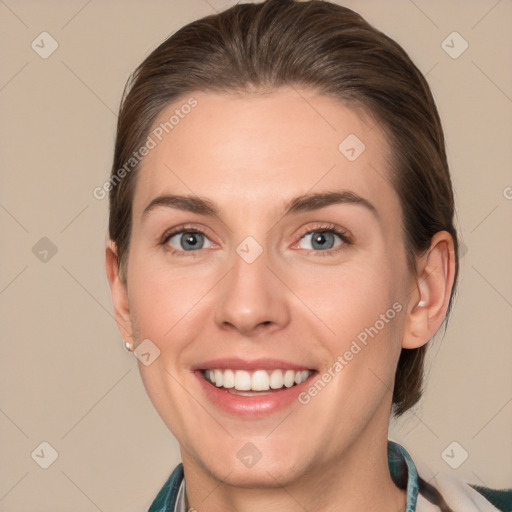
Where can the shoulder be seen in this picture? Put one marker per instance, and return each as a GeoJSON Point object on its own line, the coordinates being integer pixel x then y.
{"type": "Point", "coordinates": [424, 494]}
{"type": "Point", "coordinates": [462, 496]}
{"type": "Point", "coordinates": [166, 498]}
{"type": "Point", "coordinates": [500, 498]}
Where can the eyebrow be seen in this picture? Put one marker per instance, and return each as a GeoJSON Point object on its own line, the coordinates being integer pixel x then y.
{"type": "Point", "coordinates": [304, 203]}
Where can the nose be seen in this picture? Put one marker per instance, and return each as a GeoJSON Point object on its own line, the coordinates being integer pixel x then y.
{"type": "Point", "coordinates": [252, 299]}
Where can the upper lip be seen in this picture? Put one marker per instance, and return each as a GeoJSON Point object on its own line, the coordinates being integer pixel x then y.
{"type": "Point", "coordinates": [235, 363]}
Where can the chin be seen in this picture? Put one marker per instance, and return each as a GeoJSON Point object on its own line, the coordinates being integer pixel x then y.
{"type": "Point", "coordinates": [251, 461]}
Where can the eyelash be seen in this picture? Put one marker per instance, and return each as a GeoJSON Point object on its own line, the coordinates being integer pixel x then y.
{"type": "Point", "coordinates": [329, 228]}
{"type": "Point", "coordinates": [180, 229]}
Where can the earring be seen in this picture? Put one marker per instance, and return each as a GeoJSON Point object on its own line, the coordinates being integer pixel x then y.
{"type": "Point", "coordinates": [421, 303]}
{"type": "Point", "coordinates": [128, 346]}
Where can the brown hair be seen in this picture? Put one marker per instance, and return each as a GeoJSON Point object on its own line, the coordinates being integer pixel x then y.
{"type": "Point", "coordinates": [313, 44]}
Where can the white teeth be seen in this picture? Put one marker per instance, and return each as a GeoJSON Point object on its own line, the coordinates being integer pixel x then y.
{"type": "Point", "coordinates": [242, 380]}
{"type": "Point", "coordinates": [259, 380]}
{"type": "Point", "coordinates": [228, 379]}
{"type": "Point", "coordinates": [276, 379]}
{"type": "Point", "coordinates": [289, 378]}
{"type": "Point", "coordinates": [301, 376]}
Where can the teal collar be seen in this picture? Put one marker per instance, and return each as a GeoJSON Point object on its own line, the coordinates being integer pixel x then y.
{"type": "Point", "coordinates": [398, 457]}
{"type": "Point", "coordinates": [398, 461]}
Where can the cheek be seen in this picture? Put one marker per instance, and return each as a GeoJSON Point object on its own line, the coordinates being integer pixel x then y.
{"type": "Point", "coordinates": [347, 299]}
{"type": "Point", "coordinates": [363, 353]}
{"type": "Point", "coordinates": [165, 302]}
{"type": "Point", "coordinates": [359, 308]}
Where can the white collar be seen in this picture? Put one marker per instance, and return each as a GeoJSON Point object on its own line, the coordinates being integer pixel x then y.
{"type": "Point", "coordinates": [180, 499]}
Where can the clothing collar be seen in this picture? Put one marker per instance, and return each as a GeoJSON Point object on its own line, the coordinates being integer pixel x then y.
{"type": "Point", "coordinates": [397, 457]}
{"type": "Point", "coordinates": [171, 497]}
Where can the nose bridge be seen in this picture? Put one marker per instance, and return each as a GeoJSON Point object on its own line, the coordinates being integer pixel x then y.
{"type": "Point", "coordinates": [251, 295]}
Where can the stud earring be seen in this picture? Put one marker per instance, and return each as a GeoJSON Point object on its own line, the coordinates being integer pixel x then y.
{"type": "Point", "coordinates": [128, 346]}
{"type": "Point", "coordinates": [421, 303]}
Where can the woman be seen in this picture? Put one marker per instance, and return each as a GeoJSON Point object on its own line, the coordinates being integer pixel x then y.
{"type": "Point", "coordinates": [282, 249]}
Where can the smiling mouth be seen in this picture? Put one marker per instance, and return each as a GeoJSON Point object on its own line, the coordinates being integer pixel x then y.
{"type": "Point", "coordinates": [255, 383]}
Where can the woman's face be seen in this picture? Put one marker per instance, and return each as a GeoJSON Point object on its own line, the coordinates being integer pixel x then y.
{"type": "Point", "coordinates": [267, 244]}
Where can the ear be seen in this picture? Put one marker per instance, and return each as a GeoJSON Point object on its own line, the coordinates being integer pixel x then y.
{"type": "Point", "coordinates": [433, 286]}
{"type": "Point", "coordinates": [119, 292]}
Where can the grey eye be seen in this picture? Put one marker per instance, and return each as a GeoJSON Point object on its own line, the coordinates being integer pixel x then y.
{"type": "Point", "coordinates": [319, 240]}
{"type": "Point", "coordinates": [188, 240]}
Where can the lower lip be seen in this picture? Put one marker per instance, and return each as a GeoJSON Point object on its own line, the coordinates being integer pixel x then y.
{"type": "Point", "coordinates": [252, 406]}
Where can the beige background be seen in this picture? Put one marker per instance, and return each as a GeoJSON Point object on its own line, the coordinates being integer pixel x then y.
{"type": "Point", "coordinates": [64, 376]}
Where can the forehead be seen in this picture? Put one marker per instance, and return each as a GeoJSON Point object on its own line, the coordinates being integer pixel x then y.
{"type": "Point", "coordinates": [258, 150]}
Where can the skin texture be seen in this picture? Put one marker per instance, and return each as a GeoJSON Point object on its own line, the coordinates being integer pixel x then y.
{"type": "Point", "coordinates": [250, 154]}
